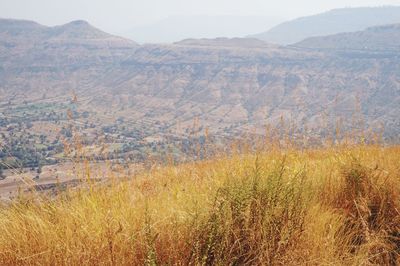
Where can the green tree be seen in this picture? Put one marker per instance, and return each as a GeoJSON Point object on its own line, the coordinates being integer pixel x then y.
{"type": "Point", "coordinates": [2, 176]}
{"type": "Point", "coordinates": [39, 169]}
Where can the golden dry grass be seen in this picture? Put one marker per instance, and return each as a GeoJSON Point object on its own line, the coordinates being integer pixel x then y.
{"type": "Point", "coordinates": [334, 206]}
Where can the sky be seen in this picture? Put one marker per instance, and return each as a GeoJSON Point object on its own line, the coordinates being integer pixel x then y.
{"type": "Point", "coordinates": [120, 15]}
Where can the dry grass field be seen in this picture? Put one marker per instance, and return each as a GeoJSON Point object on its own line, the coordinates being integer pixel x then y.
{"type": "Point", "coordinates": [331, 206]}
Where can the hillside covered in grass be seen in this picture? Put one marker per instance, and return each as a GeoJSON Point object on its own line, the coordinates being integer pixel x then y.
{"type": "Point", "coordinates": [334, 206]}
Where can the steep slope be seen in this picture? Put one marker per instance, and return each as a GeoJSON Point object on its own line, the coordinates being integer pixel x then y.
{"type": "Point", "coordinates": [231, 89]}
{"type": "Point", "coordinates": [17, 36]}
{"type": "Point", "coordinates": [332, 22]}
{"type": "Point", "coordinates": [380, 38]}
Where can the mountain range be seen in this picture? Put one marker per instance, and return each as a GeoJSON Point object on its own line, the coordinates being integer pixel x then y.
{"type": "Point", "coordinates": [229, 86]}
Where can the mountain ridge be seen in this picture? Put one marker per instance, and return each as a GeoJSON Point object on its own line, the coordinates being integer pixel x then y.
{"type": "Point", "coordinates": [31, 44]}
{"type": "Point", "coordinates": [377, 38]}
{"type": "Point", "coordinates": [16, 27]}
{"type": "Point", "coordinates": [330, 22]}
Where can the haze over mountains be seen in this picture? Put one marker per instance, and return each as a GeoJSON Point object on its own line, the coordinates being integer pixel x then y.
{"type": "Point", "coordinates": [177, 28]}
{"type": "Point", "coordinates": [332, 22]}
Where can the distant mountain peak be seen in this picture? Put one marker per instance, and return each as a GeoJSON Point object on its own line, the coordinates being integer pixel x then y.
{"type": "Point", "coordinates": [78, 29]}
{"type": "Point", "coordinates": [79, 23]}
{"type": "Point", "coordinates": [18, 37]}
{"type": "Point", "coordinates": [331, 22]}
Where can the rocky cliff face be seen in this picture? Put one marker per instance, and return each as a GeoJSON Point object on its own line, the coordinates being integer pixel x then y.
{"type": "Point", "coordinates": [230, 89]}
{"type": "Point", "coordinates": [229, 86]}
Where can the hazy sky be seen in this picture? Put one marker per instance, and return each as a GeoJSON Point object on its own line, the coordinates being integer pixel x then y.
{"type": "Point", "coordinates": [120, 15]}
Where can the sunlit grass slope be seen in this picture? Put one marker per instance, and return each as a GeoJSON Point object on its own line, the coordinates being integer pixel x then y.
{"type": "Point", "coordinates": [335, 206]}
